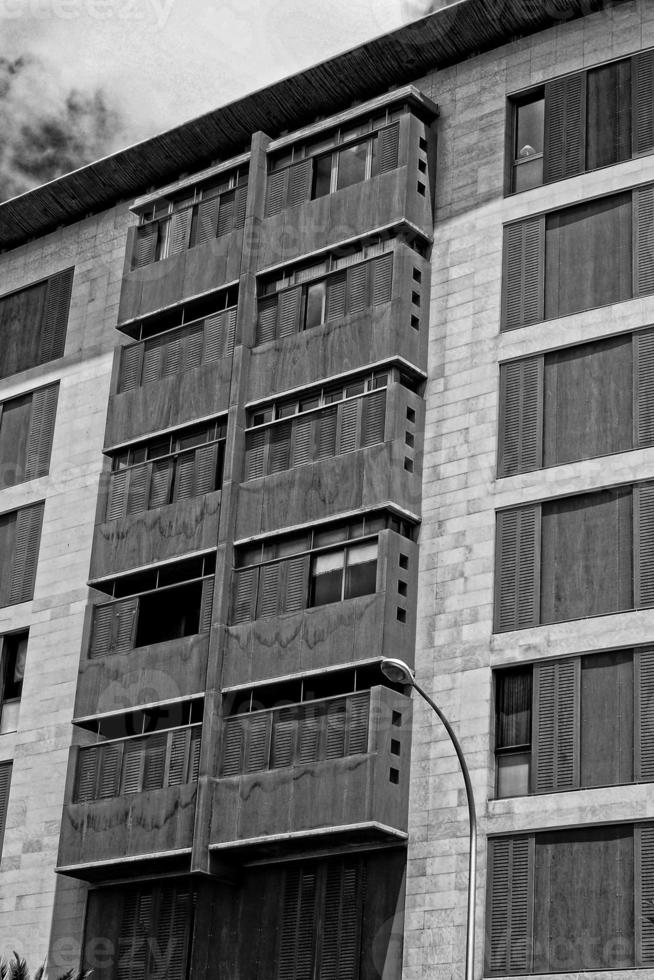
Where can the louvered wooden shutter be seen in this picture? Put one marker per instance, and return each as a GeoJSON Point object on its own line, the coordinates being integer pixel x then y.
{"type": "Point", "coordinates": [180, 228]}
{"type": "Point", "coordinates": [643, 206]}
{"type": "Point", "coordinates": [298, 933]}
{"type": "Point", "coordinates": [289, 311]}
{"type": "Point", "coordinates": [192, 346]}
{"type": "Point", "coordinates": [643, 349]}
{"type": "Point", "coordinates": [556, 725]}
{"type": "Point", "coordinates": [138, 490]}
{"type": "Point", "coordinates": [388, 144]}
{"type": "Point", "coordinates": [303, 440]}
{"type": "Point", "coordinates": [520, 446]}
{"type": "Point", "coordinates": [109, 770]}
{"type": "Point", "coordinates": [523, 294]}
{"type": "Point", "coordinates": [101, 632]}
{"type": "Point", "coordinates": [644, 545]}
{"type": "Point", "coordinates": [336, 729]}
{"type": "Point", "coordinates": [207, 220]}
{"type": "Point", "coordinates": [509, 934]}
{"type": "Point", "coordinates": [269, 589]}
{"type": "Point", "coordinates": [153, 359]}
{"type": "Point", "coordinates": [382, 279]}
{"type": "Point", "coordinates": [565, 127]}
{"type": "Point", "coordinates": [267, 319]}
{"type": "Point", "coordinates": [336, 289]}
{"type": "Point", "coordinates": [178, 756]}
{"type": "Point", "coordinates": [229, 332]}
{"type": "Point", "coordinates": [87, 773]}
{"type": "Point", "coordinates": [154, 764]}
{"type": "Point", "coordinates": [310, 719]}
{"type": "Point", "coordinates": [194, 754]}
{"type": "Point", "coordinates": [326, 424]}
{"type": "Point", "coordinates": [173, 929]}
{"type": "Point", "coordinates": [644, 715]}
{"type": "Point", "coordinates": [184, 476]}
{"type": "Point", "coordinates": [279, 451]}
{"type": "Point", "coordinates": [245, 595]}
{"type": "Point", "coordinates": [343, 906]}
{"type": "Point", "coordinates": [240, 206]}
{"type": "Point", "coordinates": [276, 190]}
{"type": "Point", "coordinates": [135, 928]}
{"type": "Point", "coordinates": [358, 293]}
{"type": "Point", "coordinates": [206, 466]}
{"type": "Point", "coordinates": [226, 213]}
{"type": "Point", "coordinates": [284, 735]}
{"type": "Point", "coordinates": [172, 354]}
{"type": "Point", "coordinates": [5, 780]}
{"type": "Point", "coordinates": [644, 894]}
{"type": "Point", "coordinates": [233, 749]}
{"type": "Point", "coordinates": [373, 418]}
{"type": "Point", "coordinates": [28, 537]}
{"type": "Point", "coordinates": [299, 182]}
{"type": "Point", "coordinates": [258, 741]}
{"type": "Point", "coordinates": [145, 248]}
{"type": "Point", "coordinates": [132, 774]}
{"type": "Point", "coordinates": [358, 720]}
{"type": "Point", "coordinates": [41, 431]}
{"type": "Point", "coordinates": [206, 605]}
{"type": "Point", "coordinates": [349, 423]}
{"type": "Point", "coordinates": [295, 584]}
{"type": "Point", "coordinates": [55, 316]}
{"type": "Point", "coordinates": [131, 362]}
{"type": "Point", "coordinates": [214, 337]}
{"type": "Point", "coordinates": [517, 571]}
{"type": "Point", "coordinates": [113, 627]}
{"type": "Point", "coordinates": [117, 497]}
{"type": "Point", "coordinates": [161, 477]}
{"type": "Point", "coordinates": [642, 96]}
{"type": "Point", "coordinates": [255, 446]}
{"type": "Point", "coordinates": [125, 613]}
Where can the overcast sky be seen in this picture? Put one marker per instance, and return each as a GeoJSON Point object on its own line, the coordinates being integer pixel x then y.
{"type": "Point", "coordinates": [159, 62]}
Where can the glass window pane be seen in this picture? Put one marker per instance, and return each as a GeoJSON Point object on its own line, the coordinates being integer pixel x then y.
{"type": "Point", "coordinates": [361, 553]}
{"type": "Point", "coordinates": [326, 578]}
{"type": "Point", "coordinates": [352, 165]}
{"type": "Point", "coordinates": [161, 447]}
{"type": "Point", "coordinates": [284, 411]}
{"type": "Point", "coordinates": [322, 176]}
{"type": "Point", "coordinates": [528, 173]}
{"type": "Point", "coordinates": [328, 563]}
{"type": "Point", "coordinates": [306, 404]}
{"type": "Point", "coordinates": [513, 709]}
{"type": "Point", "coordinates": [355, 389]}
{"type": "Point", "coordinates": [529, 128]}
{"type": "Point", "coordinates": [513, 774]}
{"type": "Point", "coordinates": [361, 579]}
{"type": "Point", "coordinates": [331, 536]}
{"type": "Point", "coordinates": [315, 300]}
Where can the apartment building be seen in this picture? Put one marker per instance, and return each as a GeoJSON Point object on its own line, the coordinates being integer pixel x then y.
{"type": "Point", "coordinates": [356, 367]}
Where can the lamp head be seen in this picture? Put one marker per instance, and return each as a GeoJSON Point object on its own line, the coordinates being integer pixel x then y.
{"type": "Point", "coordinates": [397, 671]}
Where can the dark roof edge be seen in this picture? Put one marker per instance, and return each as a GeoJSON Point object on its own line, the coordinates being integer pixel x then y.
{"type": "Point", "coordinates": [440, 39]}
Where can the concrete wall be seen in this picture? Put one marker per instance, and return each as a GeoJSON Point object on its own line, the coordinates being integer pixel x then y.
{"type": "Point", "coordinates": [456, 648]}
{"type": "Point", "coordinates": [39, 749]}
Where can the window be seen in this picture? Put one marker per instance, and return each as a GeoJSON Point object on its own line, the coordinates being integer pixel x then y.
{"type": "Point", "coordinates": [298, 734]}
{"type": "Point", "coordinates": [181, 340]}
{"type": "Point", "coordinates": [33, 323]}
{"type": "Point", "coordinates": [20, 535]}
{"type": "Point", "coordinates": [321, 912]}
{"type": "Point", "coordinates": [168, 755]}
{"type": "Point", "coordinates": [12, 671]}
{"type": "Point", "coordinates": [575, 723]}
{"type": "Point", "coordinates": [574, 557]}
{"type": "Point", "coordinates": [197, 215]}
{"type": "Point", "coordinates": [320, 423]}
{"type": "Point", "coordinates": [148, 928]}
{"type": "Point", "coordinates": [5, 781]}
{"type": "Point", "coordinates": [354, 154]}
{"type": "Point", "coordinates": [549, 909]}
{"type": "Point", "coordinates": [541, 423]}
{"type": "Point", "coordinates": [308, 295]}
{"type": "Point", "coordinates": [26, 430]}
{"type": "Point", "coordinates": [583, 121]}
{"type": "Point", "coordinates": [582, 257]}
{"type": "Point", "coordinates": [167, 469]}
{"type": "Point", "coordinates": [288, 574]}
{"type": "Point", "coordinates": [164, 603]}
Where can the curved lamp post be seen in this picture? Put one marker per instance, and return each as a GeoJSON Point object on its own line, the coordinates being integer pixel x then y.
{"type": "Point", "coordinates": [400, 673]}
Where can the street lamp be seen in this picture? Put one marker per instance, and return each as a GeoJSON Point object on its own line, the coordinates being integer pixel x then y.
{"type": "Point", "coordinates": [400, 673]}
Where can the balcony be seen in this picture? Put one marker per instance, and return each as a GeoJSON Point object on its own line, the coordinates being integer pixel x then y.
{"type": "Point", "coordinates": [335, 769]}
{"type": "Point", "coordinates": [332, 634]}
{"type": "Point", "coordinates": [133, 798]}
{"type": "Point", "coordinates": [172, 378]}
{"type": "Point", "coordinates": [402, 193]}
{"type": "Point", "coordinates": [396, 328]}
